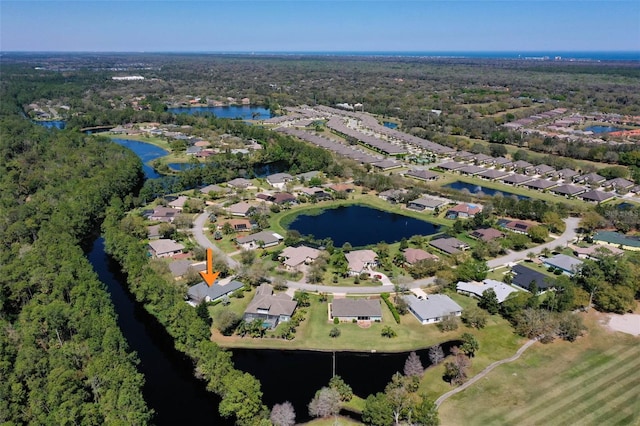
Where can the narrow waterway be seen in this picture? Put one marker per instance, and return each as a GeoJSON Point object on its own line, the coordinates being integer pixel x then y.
{"type": "Point", "coordinates": [171, 389]}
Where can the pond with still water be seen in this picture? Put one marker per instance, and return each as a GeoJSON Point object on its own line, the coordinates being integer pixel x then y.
{"type": "Point", "coordinates": [481, 190]}
{"type": "Point", "coordinates": [243, 112]}
{"type": "Point", "coordinates": [602, 129]}
{"type": "Point", "coordinates": [146, 152]}
{"type": "Point", "coordinates": [361, 226]}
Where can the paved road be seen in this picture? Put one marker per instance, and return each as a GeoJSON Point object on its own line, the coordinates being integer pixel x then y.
{"type": "Point", "coordinates": [484, 372]}
{"type": "Point", "coordinates": [564, 239]}
{"type": "Point", "coordinates": [569, 235]}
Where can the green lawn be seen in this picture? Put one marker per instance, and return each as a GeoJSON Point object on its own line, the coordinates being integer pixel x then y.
{"type": "Point", "coordinates": [593, 381]}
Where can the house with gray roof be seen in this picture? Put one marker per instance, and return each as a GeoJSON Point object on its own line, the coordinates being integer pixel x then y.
{"type": "Point", "coordinates": [540, 184]}
{"type": "Point", "coordinates": [425, 175]}
{"type": "Point", "coordinates": [543, 170]}
{"type": "Point", "coordinates": [179, 268]}
{"type": "Point", "coordinates": [591, 179]}
{"type": "Point", "coordinates": [522, 165]}
{"type": "Point", "coordinates": [347, 310]}
{"type": "Point", "coordinates": [240, 183]}
{"type": "Point", "coordinates": [203, 292]}
{"type": "Point", "coordinates": [597, 196]}
{"type": "Point", "coordinates": [279, 180]}
{"type": "Point", "coordinates": [516, 179]}
{"type": "Point", "coordinates": [242, 209]}
{"type": "Point", "coordinates": [567, 264]}
{"type": "Point", "coordinates": [451, 166]}
{"type": "Point", "coordinates": [568, 190]}
{"type": "Point", "coordinates": [392, 195]}
{"type": "Point", "coordinates": [476, 289]}
{"type": "Point", "coordinates": [493, 174]}
{"type": "Point", "coordinates": [271, 308]}
{"type": "Point", "coordinates": [216, 189]}
{"type": "Point", "coordinates": [618, 184]}
{"type": "Point", "coordinates": [262, 239]}
{"type": "Point", "coordinates": [426, 203]}
{"type": "Point", "coordinates": [164, 247]}
{"type": "Point", "coordinates": [565, 174]}
{"type": "Point", "coordinates": [432, 309]}
{"type": "Point", "coordinates": [471, 170]}
{"type": "Point", "coordinates": [449, 245]}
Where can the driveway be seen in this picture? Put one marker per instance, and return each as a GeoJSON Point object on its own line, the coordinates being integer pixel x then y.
{"type": "Point", "coordinates": [569, 235]}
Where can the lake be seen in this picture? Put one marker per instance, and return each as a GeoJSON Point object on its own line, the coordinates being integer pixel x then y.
{"type": "Point", "coordinates": [477, 190]}
{"type": "Point", "coordinates": [389, 124]}
{"type": "Point", "coordinates": [602, 129]}
{"type": "Point", "coordinates": [244, 112]}
{"type": "Point", "coordinates": [51, 124]}
{"type": "Point", "coordinates": [146, 151]}
{"type": "Point", "coordinates": [361, 226]}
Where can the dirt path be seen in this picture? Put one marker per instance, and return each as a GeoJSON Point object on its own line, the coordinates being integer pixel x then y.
{"type": "Point", "coordinates": [484, 372]}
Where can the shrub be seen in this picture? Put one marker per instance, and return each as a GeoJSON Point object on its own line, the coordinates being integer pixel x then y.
{"type": "Point", "coordinates": [336, 321]}
{"type": "Point", "coordinates": [448, 323]}
{"type": "Point", "coordinates": [392, 308]}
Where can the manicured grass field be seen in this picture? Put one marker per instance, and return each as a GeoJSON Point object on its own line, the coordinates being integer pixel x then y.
{"type": "Point", "coordinates": [593, 381]}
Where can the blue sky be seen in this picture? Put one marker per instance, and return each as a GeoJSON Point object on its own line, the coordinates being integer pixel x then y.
{"type": "Point", "coordinates": [259, 26]}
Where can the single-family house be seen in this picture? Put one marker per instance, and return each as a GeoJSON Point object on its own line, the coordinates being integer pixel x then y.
{"type": "Point", "coordinates": [179, 268]}
{"type": "Point", "coordinates": [305, 177]}
{"type": "Point", "coordinates": [565, 174]}
{"type": "Point", "coordinates": [178, 203]}
{"type": "Point", "coordinates": [164, 247]}
{"type": "Point", "coordinates": [242, 208]}
{"type": "Point", "coordinates": [516, 179]}
{"type": "Point", "coordinates": [518, 226]}
{"type": "Point", "coordinates": [342, 187]}
{"type": "Point", "coordinates": [425, 175]}
{"type": "Point", "coordinates": [449, 245]}
{"type": "Point", "coordinates": [214, 189]}
{"type": "Point", "coordinates": [522, 165]}
{"type": "Point", "coordinates": [567, 264]}
{"type": "Point", "coordinates": [540, 184]}
{"type": "Point", "coordinates": [523, 277]}
{"type": "Point", "coordinates": [543, 170]}
{"type": "Point", "coordinates": [486, 234]}
{"type": "Point", "coordinates": [262, 239]}
{"type": "Point", "coordinates": [568, 190]}
{"type": "Point", "coordinates": [464, 211]}
{"type": "Point", "coordinates": [493, 174]}
{"type": "Point", "coordinates": [347, 310]}
{"type": "Point", "coordinates": [426, 203]}
{"type": "Point", "coordinates": [597, 196]}
{"type": "Point", "coordinates": [596, 251]}
{"type": "Point", "coordinates": [451, 166]}
{"type": "Point", "coordinates": [293, 258]}
{"type": "Point", "coordinates": [202, 292]}
{"type": "Point", "coordinates": [164, 214]}
{"type": "Point", "coordinates": [153, 232]}
{"type": "Point", "coordinates": [476, 289]}
{"type": "Point", "coordinates": [240, 183]}
{"type": "Point", "coordinates": [471, 170]}
{"type": "Point", "coordinates": [279, 180]}
{"type": "Point", "coordinates": [502, 162]}
{"type": "Point", "coordinates": [616, 239]}
{"type": "Point", "coordinates": [432, 309]}
{"type": "Point", "coordinates": [238, 225]}
{"type": "Point", "coordinates": [619, 184]}
{"type": "Point", "coordinates": [413, 255]}
{"type": "Point", "coordinates": [361, 260]}
{"type": "Point", "coordinates": [591, 179]}
{"type": "Point", "coordinates": [282, 198]}
{"type": "Point", "coordinates": [393, 195]}
{"type": "Point", "coordinates": [271, 308]}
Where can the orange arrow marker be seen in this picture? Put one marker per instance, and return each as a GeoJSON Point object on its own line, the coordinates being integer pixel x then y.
{"type": "Point", "coordinates": [209, 276]}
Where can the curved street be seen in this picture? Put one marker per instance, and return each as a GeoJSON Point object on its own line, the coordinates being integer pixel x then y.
{"type": "Point", "coordinates": [567, 236]}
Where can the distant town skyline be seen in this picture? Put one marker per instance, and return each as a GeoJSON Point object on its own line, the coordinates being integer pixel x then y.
{"type": "Point", "coordinates": [328, 26]}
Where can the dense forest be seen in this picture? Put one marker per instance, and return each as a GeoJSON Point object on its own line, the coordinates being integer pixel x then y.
{"type": "Point", "coordinates": [63, 359]}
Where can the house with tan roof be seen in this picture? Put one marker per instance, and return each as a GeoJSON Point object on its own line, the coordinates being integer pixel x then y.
{"type": "Point", "coordinates": [294, 258]}
{"type": "Point", "coordinates": [361, 261]}
{"type": "Point", "coordinates": [486, 234]}
{"type": "Point", "coordinates": [413, 255]}
{"type": "Point", "coordinates": [241, 209]}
